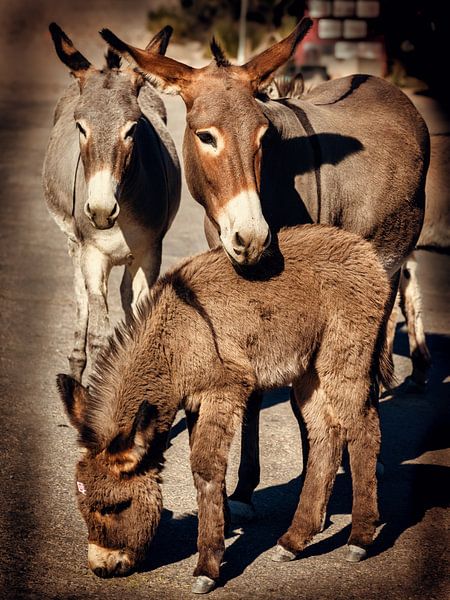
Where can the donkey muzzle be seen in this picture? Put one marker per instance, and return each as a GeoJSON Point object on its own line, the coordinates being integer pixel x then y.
{"type": "Point", "coordinates": [244, 232]}
{"type": "Point", "coordinates": [101, 207]}
{"type": "Point", "coordinates": [102, 219]}
{"type": "Point", "coordinates": [245, 249]}
{"type": "Point", "coordinates": [104, 562]}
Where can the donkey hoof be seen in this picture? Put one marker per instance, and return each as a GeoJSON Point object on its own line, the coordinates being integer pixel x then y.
{"type": "Point", "coordinates": [280, 554]}
{"type": "Point", "coordinates": [355, 554]}
{"type": "Point", "coordinates": [203, 585]}
{"type": "Point", "coordinates": [241, 512]}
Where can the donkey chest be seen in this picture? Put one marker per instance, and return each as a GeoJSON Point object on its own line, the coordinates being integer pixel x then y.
{"type": "Point", "coordinates": [121, 243]}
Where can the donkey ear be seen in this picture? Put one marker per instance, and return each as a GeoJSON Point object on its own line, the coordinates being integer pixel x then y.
{"type": "Point", "coordinates": [158, 44]}
{"type": "Point", "coordinates": [74, 397]}
{"type": "Point", "coordinates": [166, 74]}
{"type": "Point", "coordinates": [127, 451]}
{"type": "Point", "coordinates": [260, 68]}
{"type": "Point", "coordinates": [68, 54]}
{"type": "Point", "coordinates": [113, 59]}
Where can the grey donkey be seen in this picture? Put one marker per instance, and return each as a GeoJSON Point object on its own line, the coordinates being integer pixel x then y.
{"type": "Point", "coordinates": [112, 183]}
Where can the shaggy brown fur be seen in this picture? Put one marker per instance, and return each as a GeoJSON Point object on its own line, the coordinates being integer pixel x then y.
{"type": "Point", "coordinates": [310, 314]}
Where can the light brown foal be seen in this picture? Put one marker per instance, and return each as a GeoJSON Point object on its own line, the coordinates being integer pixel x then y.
{"type": "Point", "coordinates": [311, 314]}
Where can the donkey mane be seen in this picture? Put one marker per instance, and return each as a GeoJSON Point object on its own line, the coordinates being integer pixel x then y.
{"type": "Point", "coordinates": [103, 421]}
{"type": "Point", "coordinates": [101, 418]}
{"type": "Point", "coordinates": [219, 54]}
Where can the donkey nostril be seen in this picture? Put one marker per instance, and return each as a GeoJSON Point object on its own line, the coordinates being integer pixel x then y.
{"type": "Point", "coordinates": [114, 211]}
{"type": "Point", "coordinates": [267, 240]}
{"type": "Point", "coordinates": [238, 241]}
{"type": "Point", "coordinates": [89, 211]}
{"type": "Point", "coordinates": [100, 572]}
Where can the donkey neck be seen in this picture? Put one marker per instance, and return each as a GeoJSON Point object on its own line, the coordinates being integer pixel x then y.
{"type": "Point", "coordinates": [290, 184]}
{"type": "Point", "coordinates": [131, 182]}
{"type": "Point", "coordinates": [145, 183]}
{"type": "Point", "coordinates": [132, 369]}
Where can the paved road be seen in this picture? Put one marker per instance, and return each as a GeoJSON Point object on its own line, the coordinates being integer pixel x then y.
{"type": "Point", "coordinates": [42, 536]}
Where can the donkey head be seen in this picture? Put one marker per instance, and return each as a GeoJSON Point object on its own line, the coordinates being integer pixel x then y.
{"type": "Point", "coordinates": [224, 130]}
{"type": "Point", "coordinates": [107, 116]}
{"type": "Point", "coordinates": [118, 491]}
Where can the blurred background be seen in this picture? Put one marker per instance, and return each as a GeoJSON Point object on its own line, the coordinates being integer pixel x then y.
{"type": "Point", "coordinates": [405, 40]}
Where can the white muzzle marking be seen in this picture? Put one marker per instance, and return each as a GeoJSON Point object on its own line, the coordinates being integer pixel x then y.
{"type": "Point", "coordinates": [105, 562]}
{"type": "Point", "coordinates": [244, 232]}
{"type": "Point", "coordinates": [101, 206]}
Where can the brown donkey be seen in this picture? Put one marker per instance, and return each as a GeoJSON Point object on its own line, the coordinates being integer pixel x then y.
{"type": "Point", "coordinates": [353, 153]}
{"type": "Point", "coordinates": [311, 313]}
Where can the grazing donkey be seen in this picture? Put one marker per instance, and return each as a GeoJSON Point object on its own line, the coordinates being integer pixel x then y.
{"type": "Point", "coordinates": [353, 152]}
{"type": "Point", "coordinates": [112, 183]}
{"type": "Point", "coordinates": [310, 313]}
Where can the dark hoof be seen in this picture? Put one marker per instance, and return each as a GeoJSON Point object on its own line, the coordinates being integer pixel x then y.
{"type": "Point", "coordinates": [203, 585]}
{"type": "Point", "coordinates": [280, 554]}
{"type": "Point", "coordinates": [355, 554]}
{"type": "Point", "coordinates": [241, 512]}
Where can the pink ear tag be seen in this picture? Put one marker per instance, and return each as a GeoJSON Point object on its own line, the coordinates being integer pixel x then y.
{"type": "Point", "coordinates": [81, 487]}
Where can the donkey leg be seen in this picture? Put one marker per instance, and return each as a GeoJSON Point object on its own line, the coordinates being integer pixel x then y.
{"type": "Point", "coordinates": [325, 450]}
{"type": "Point", "coordinates": [77, 358]}
{"type": "Point", "coordinates": [240, 501]}
{"type": "Point", "coordinates": [363, 446]}
{"type": "Point", "coordinates": [391, 314]}
{"type": "Point", "coordinates": [214, 430]}
{"type": "Point", "coordinates": [96, 268]}
{"type": "Point", "coordinates": [410, 302]}
{"type": "Point", "coordinates": [145, 273]}
{"type": "Point", "coordinates": [138, 277]}
{"type": "Point", "coordinates": [304, 443]}
{"type": "Point", "coordinates": [126, 293]}
{"type": "Point", "coordinates": [191, 422]}
{"type": "Point", "coordinates": [390, 329]}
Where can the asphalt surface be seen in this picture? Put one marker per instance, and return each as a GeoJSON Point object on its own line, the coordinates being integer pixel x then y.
{"type": "Point", "coordinates": [42, 537]}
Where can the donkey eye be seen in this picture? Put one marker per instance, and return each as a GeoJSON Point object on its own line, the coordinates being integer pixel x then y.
{"type": "Point", "coordinates": [130, 132]}
{"type": "Point", "coordinates": [115, 509]}
{"type": "Point", "coordinates": [206, 138]}
{"type": "Point", "coordinates": [81, 129]}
